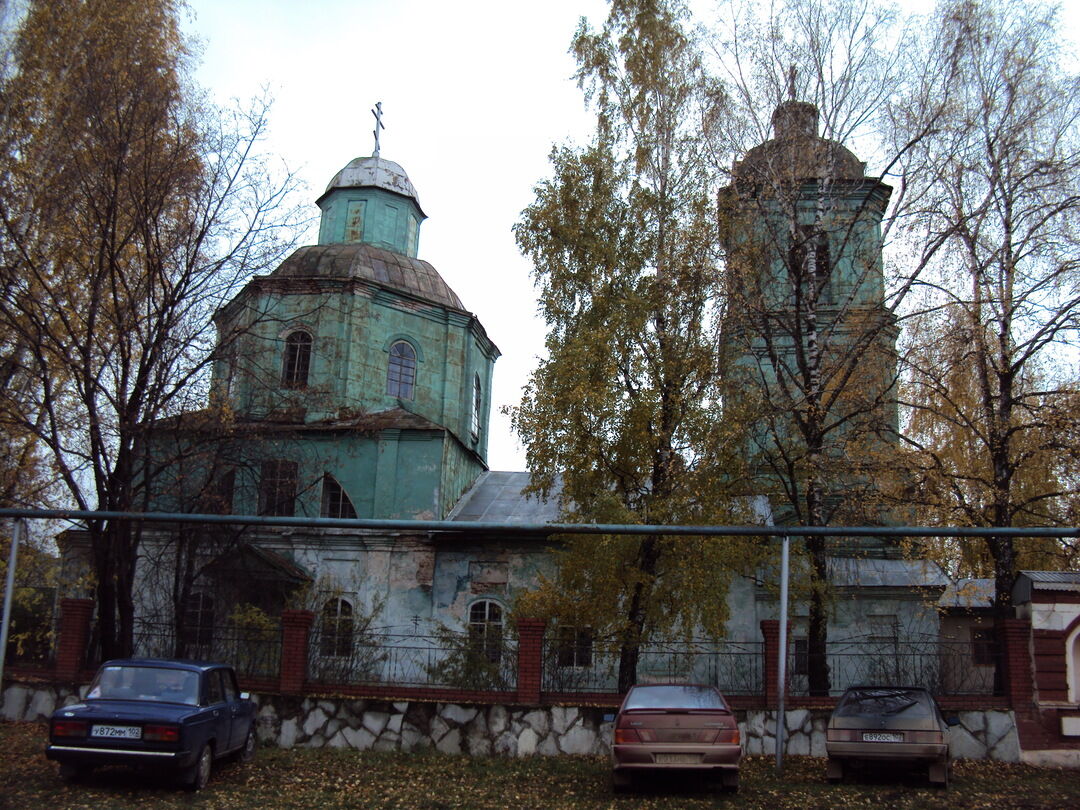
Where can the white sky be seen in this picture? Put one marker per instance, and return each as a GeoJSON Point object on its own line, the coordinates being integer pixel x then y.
{"type": "Point", "coordinates": [474, 93]}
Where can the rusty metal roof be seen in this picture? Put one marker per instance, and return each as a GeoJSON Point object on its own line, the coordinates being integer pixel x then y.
{"type": "Point", "coordinates": [376, 172]}
{"type": "Point", "coordinates": [384, 267]}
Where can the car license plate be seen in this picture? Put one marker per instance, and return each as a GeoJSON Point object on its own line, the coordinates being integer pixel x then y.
{"type": "Point", "coordinates": [117, 732]}
{"type": "Point", "coordinates": [882, 736]}
{"type": "Point", "coordinates": [678, 759]}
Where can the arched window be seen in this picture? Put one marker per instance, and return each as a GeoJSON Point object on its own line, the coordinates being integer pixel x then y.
{"type": "Point", "coordinates": [335, 501]}
{"type": "Point", "coordinates": [336, 632]}
{"type": "Point", "coordinates": [486, 629]}
{"type": "Point", "coordinates": [297, 361]}
{"type": "Point", "coordinates": [477, 406]}
{"type": "Point", "coordinates": [401, 372]}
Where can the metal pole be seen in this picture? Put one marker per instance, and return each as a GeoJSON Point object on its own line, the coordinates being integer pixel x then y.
{"type": "Point", "coordinates": [5, 624]}
{"type": "Point", "coordinates": [781, 658]}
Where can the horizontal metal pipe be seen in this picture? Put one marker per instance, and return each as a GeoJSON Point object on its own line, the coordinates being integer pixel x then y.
{"type": "Point", "coordinates": [460, 527]}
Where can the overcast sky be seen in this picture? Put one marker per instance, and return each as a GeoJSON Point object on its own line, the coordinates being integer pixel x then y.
{"type": "Point", "coordinates": [474, 95]}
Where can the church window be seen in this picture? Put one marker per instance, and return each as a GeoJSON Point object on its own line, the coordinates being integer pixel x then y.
{"type": "Point", "coordinates": [297, 361]}
{"type": "Point", "coordinates": [983, 646]}
{"type": "Point", "coordinates": [354, 222]}
{"type": "Point", "coordinates": [197, 628]}
{"type": "Point", "coordinates": [335, 501]}
{"type": "Point", "coordinates": [218, 497]}
{"type": "Point", "coordinates": [809, 263]}
{"type": "Point", "coordinates": [401, 372]}
{"type": "Point", "coordinates": [277, 488]}
{"type": "Point", "coordinates": [573, 646]}
{"type": "Point", "coordinates": [800, 657]}
{"type": "Point", "coordinates": [336, 631]}
{"type": "Point", "coordinates": [413, 227]}
{"type": "Point", "coordinates": [486, 630]}
{"type": "Point", "coordinates": [477, 405]}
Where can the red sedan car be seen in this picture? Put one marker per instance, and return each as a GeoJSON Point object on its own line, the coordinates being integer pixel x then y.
{"type": "Point", "coordinates": [673, 728]}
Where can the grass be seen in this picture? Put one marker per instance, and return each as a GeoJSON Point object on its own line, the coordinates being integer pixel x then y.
{"type": "Point", "coordinates": [308, 778]}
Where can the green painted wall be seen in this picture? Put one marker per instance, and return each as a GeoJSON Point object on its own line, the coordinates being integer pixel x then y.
{"type": "Point", "coordinates": [373, 216]}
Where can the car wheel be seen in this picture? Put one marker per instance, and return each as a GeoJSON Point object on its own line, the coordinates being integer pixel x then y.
{"type": "Point", "coordinates": [730, 781]}
{"type": "Point", "coordinates": [72, 773]}
{"type": "Point", "coordinates": [834, 770]}
{"type": "Point", "coordinates": [199, 773]}
{"type": "Point", "coordinates": [939, 774]}
{"type": "Point", "coordinates": [247, 753]}
{"type": "Point", "coordinates": [621, 782]}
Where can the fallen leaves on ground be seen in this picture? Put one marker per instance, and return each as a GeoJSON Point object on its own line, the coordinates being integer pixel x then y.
{"type": "Point", "coordinates": [331, 778]}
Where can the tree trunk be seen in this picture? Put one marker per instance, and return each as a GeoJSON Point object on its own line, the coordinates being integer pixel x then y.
{"type": "Point", "coordinates": [630, 649]}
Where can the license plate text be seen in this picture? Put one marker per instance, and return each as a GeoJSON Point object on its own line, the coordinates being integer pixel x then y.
{"type": "Point", "coordinates": [119, 732]}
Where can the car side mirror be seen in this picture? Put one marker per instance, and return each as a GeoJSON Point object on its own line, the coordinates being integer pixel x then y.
{"type": "Point", "coordinates": [952, 720]}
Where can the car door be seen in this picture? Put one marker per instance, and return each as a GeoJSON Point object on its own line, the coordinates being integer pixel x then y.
{"type": "Point", "coordinates": [219, 710]}
{"type": "Point", "coordinates": [239, 710]}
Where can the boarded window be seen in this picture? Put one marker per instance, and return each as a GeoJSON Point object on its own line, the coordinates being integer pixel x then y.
{"type": "Point", "coordinates": [810, 265]}
{"type": "Point", "coordinates": [354, 222]}
{"type": "Point", "coordinates": [277, 488]}
{"type": "Point", "coordinates": [401, 371]}
{"type": "Point", "coordinates": [335, 501]}
{"type": "Point", "coordinates": [477, 406]}
{"type": "Point", "coordinates": [297, 360]}
{"type": "Point", "coordinates": [413, 233]}
{"type": "Point", "coordinates": [488, 577]}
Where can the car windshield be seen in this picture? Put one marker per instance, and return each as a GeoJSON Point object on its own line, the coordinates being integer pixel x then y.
{"type": "Point", "coordinates": [146, 683]}
{"type": "Point", "coordinates": [674, 697]}
{"type": "Point", "coordinates": [884, 703]}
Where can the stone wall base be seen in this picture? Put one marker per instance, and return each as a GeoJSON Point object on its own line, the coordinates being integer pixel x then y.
{"type": "Point", "coordinates": [1052, 758]}
{"type": "Point", "coordinates": [476, 730]}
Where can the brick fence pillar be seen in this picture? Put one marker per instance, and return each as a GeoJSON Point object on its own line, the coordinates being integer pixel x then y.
{"type": "Point", "coordinates": [530, 660]}
{"type": "Point", "coordinates": [295, 633]}
{"type": "Point", "coordinates": [1014, 635]}
{"type": "Point", "coordinates": [770, 666]}
{"type": "Point", "coordinates": [75, 615]}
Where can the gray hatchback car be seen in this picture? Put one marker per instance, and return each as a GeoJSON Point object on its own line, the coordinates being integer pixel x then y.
{"type": "Point", "coordinates": [885, 724]}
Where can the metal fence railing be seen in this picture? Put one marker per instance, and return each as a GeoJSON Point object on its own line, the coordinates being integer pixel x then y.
{"type": "Point", "coordinates": [446, 659]}
{"type": "Point", "coordinates": [32, 635]}
{"type": "Point", "coordinates": [252, 651]}
{"type": "Point", "coordinates": [944, 667]}
{"type": "Point", "coordinates": [734, 667]}
{"type": "Point", "coordinates": [570, 661]}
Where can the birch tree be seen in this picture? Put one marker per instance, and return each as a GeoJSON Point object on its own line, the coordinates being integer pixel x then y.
{"type": "Point", "coordinates": [993, 385]}
{"type": "Point", "coordinates": [622, 411]}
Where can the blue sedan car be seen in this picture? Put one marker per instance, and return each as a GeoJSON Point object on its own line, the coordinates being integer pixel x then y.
{"type": "Point", "coordinates": [178, 715]}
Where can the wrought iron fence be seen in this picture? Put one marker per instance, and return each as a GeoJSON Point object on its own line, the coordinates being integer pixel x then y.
{"type": "Point", "coordinates": [734, 667]}
{"type": "Point", "coordinates": [445, 659]}
{"type": "Point", "coordinates": [33, 630]}
{"type": "Point", "coordinates": [944, 667]}
{"type": "Point", "coordinates": [252, 651]}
